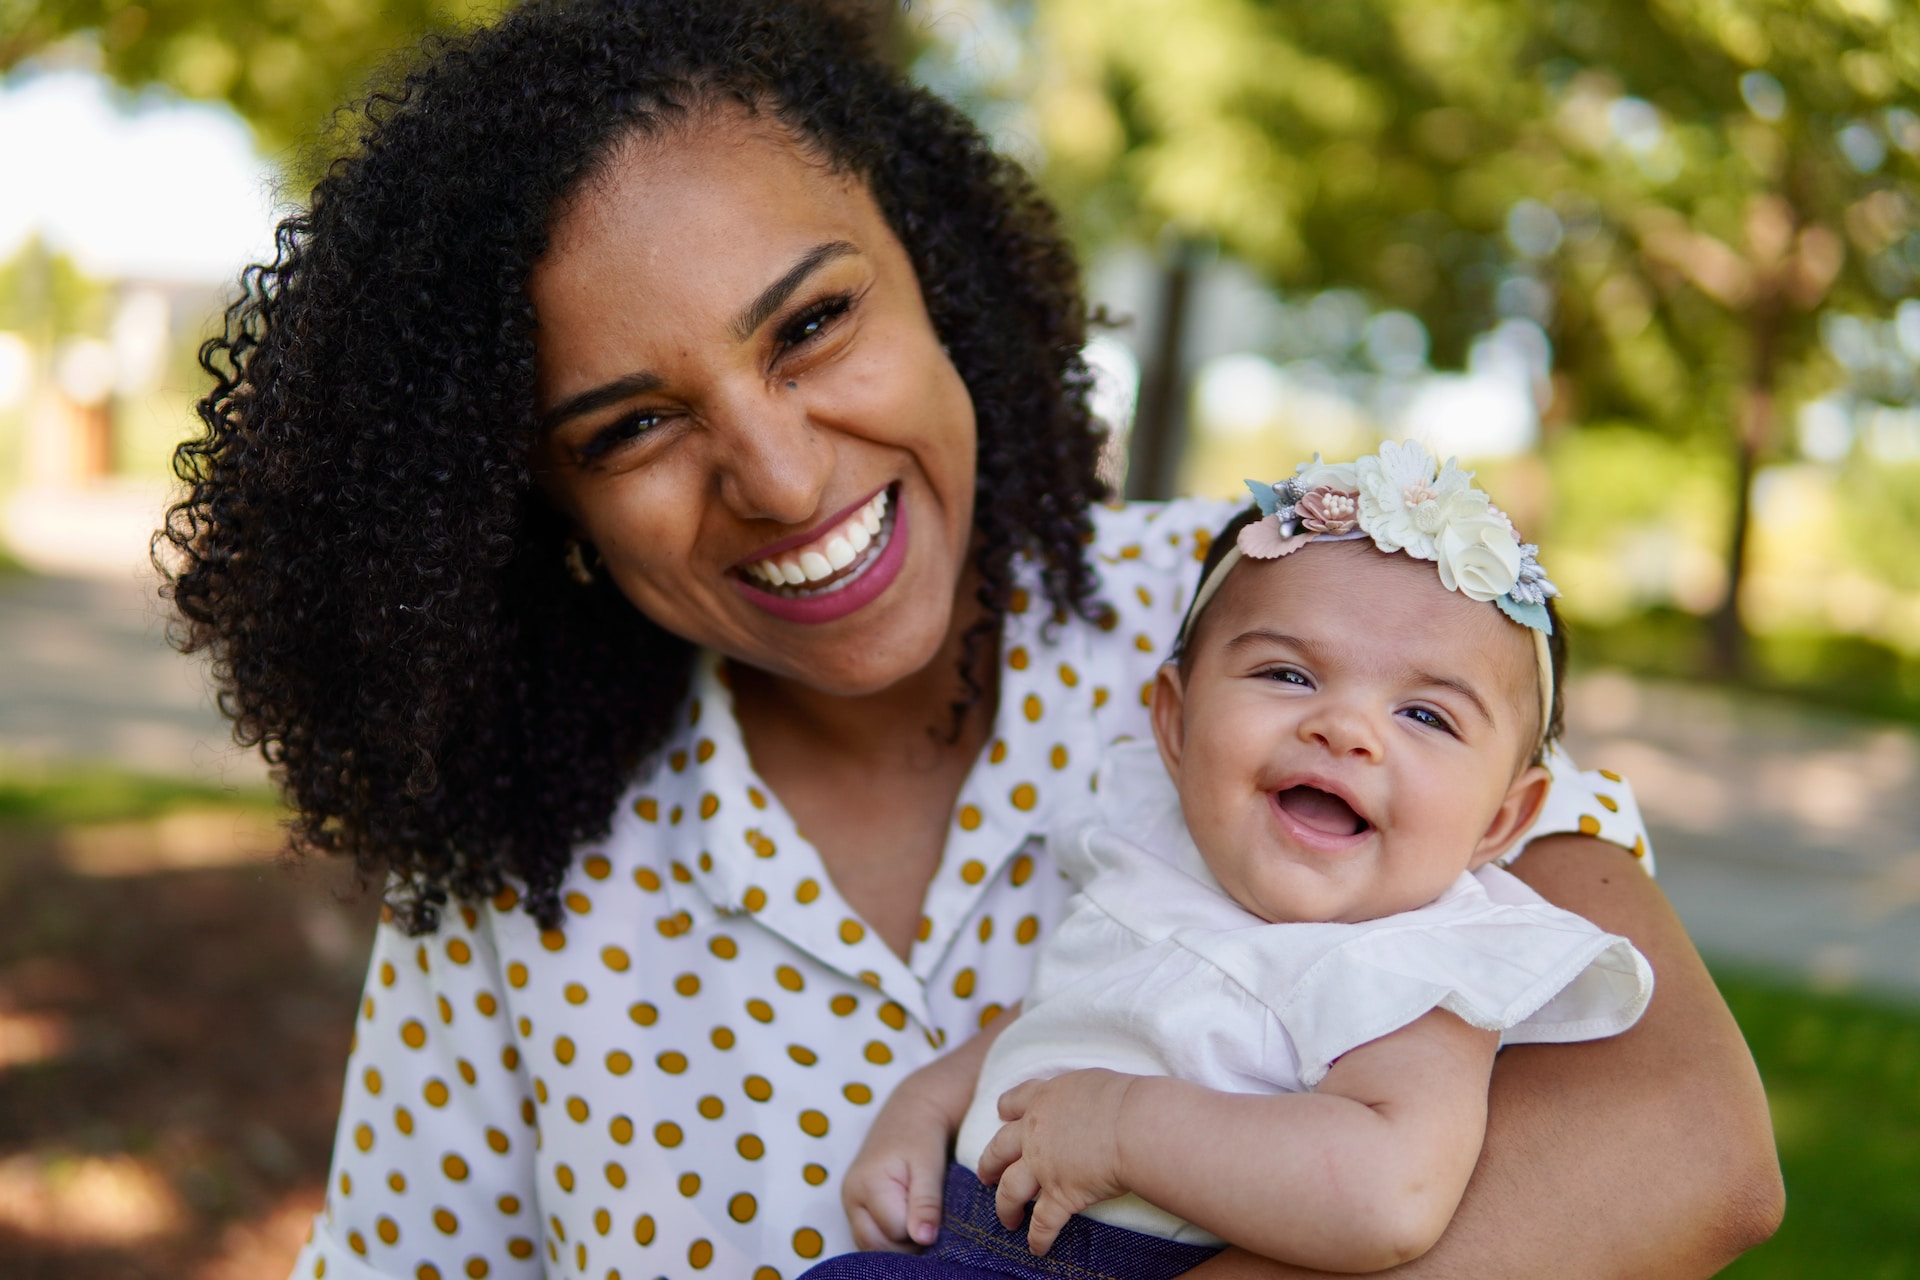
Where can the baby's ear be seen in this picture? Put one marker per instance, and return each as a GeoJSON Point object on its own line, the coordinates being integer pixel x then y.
{"type": "Point", "coordinates": [1169, 723]}
{"type": "Point", "coordinates": [1518, 811]}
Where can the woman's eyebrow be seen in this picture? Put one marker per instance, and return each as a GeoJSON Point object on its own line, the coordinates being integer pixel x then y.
{"type": "Point", "coordinates": [750, 318]}
{"type": "Point", "coordinates": [756, 312]}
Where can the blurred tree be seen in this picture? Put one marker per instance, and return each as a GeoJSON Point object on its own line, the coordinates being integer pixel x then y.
{"type": "Point", "coordinates": [283, 64]}
{"type": "Point", "coordinates": [1671, 188]}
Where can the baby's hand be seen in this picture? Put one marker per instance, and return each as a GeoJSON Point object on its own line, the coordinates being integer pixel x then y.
{"type": "Point", "coordinates": [894, 1189]}
{"type": "Point", "coordinates": [1060, 1149]}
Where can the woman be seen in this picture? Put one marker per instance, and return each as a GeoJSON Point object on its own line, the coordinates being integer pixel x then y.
{"type": "Point", "coordinates": [665, 435]}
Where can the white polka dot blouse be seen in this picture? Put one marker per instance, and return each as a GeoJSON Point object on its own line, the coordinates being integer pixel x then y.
{"type": "Point", "coordinates": [673, 1082]}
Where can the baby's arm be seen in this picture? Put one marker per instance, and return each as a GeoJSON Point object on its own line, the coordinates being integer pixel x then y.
{"type": "Point", "coordinates": [1360, 1175]}
{"type": "Point", "coordinates": [893, 1190]}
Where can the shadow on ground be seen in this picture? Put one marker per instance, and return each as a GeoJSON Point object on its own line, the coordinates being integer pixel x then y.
{"type": "Point", "coordinates": [171, 1041]}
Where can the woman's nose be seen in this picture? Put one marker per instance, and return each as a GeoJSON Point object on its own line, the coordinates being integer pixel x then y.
{"type": "Point", "coordinates": [775, 462]}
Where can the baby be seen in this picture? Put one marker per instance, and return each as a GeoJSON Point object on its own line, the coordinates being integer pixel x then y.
{"type": "Point", "coordinates": [1270, 1015]}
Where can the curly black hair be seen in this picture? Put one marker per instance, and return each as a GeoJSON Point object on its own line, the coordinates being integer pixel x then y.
{"type": "Point", "coordinates": [362, 549]}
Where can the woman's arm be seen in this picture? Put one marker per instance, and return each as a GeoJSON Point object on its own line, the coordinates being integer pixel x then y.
{"type": "Point", "coordinates": [1647, 1155]}
{"type": "Point", "coordinates": [1361, 1173]}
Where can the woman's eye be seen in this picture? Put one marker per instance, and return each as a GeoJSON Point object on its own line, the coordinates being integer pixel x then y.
{"type": "Point", "coordinates": [813, 321]}
{"type": "Point", "coordinates": [627, 427]}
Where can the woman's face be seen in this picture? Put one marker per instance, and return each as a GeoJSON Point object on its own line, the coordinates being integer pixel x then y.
{"type": "Point", "coordinates": [738, 384]}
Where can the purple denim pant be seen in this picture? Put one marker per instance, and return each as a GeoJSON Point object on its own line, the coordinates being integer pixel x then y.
{"type": "Point", "coordinates": [973, 1245]}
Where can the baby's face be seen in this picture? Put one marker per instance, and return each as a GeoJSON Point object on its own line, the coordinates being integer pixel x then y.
{"type": "Point", "coordinates": [1350, 735]}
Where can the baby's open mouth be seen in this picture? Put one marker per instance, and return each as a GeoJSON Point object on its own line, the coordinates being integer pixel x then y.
{"type": "Point", "coordinates": [1321, 811]}
{"type": "Point", "coordinates": [831, 561]}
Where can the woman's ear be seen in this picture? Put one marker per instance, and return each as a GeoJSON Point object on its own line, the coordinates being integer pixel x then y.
{"type": "Point", "coordinates": [1519, 810]}
{"type": "Point", "coordinates": [1169, 724]}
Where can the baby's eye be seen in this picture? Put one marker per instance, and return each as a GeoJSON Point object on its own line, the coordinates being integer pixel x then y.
{"type": "Point", "coordinates": [1429, 718]}
{"type": "Point", "coordinates": [1287, 675]}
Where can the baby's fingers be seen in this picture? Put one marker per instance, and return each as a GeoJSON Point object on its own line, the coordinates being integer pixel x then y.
{"type": "Point", "coordinates": [1017, 1187]}
{"type": "Point", "coordinates": [1002, 1150]}
{"type": "Point", "coordinates": [926, 1193]}
{"type": "Point", "coordinates": [876, 1204]}
{"type": "Point", "coordinates": [1050, 1216]}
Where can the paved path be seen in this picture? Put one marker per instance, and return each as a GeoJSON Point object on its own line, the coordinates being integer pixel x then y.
{"type": "Point", "coordinates": [1786, 839]}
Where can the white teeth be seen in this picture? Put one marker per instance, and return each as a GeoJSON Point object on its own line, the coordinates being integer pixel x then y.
{"type": "Point", "coordinates": [842, 547]}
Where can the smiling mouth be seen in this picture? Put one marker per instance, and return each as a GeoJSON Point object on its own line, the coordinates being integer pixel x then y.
{"type": "Point", "coordinates": [831, 562]}
{"type": "Point", "coordinates": [1321, 811]}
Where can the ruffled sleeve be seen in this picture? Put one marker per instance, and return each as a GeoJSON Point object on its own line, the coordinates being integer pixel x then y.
{"type": "Point", "coordinates": [1490, 951]}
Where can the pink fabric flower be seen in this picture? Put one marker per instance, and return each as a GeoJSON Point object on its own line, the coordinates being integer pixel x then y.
{"type": "Point", "coordinates": [1328, 510]}
{"type": "Point", "coordinates": [1262, 540]}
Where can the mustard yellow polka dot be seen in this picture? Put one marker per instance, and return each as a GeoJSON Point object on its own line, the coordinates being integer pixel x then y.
{"type": "Point", "coordinates": [1024, 797]}
{"type": "Point", "coordinates": [742, 1207]}
{"type": "Point", "coordinates": [615, 959]}
{"type": "Point", "coordinates": [802, 1055]}
{"type": "Point", "coordinates": [520, 1247]}
{"type": "Point", "coordinates": [814, 1175]}
{"type": "Point", "coordinates": [668, 1134]}
{"type": "Point", "coordinates": [894, 1015]}
{"type": "Point", "coordinates": [398, 1182]}
{"type": "Point", "coordinates": [680, 872]}
{"type": "Point", "coordinates": [1022, 870]}
{"type": "Point", "coordinates": [458, 951]}
{"type": "Point", "coordinates": [1146, 694]}
{"type": "Point", "coordinates": [477, 1267]}
{"type": "Point", "coordinates": [813, 1123]}
{"type": "Point", "coordinates": [871, 978]}
{"type": "Point", "coordinates": [754, 899]}
{"type": "Point", "coordinates": [357, 1243]}
{"type": "Point", "coordinates": [1027, 930]}
{"type": "Point", "coordinates": [643, 1013]}
{"type": "Point", "coordinates": [621, 1130]}
{"type": "Point", "coordinates": [703, 750]}
{"type": "Point", "coordinates": [878, 1053]}
{"type": "Point", "coordinates": [387, 974]}
{"type": "Point", "coordinates": [602, 1221]}
{"type": "Point", "coordinates": [674, 925]}
{"type": "Point", "coordinates": [851, 931]}
{"type": "Point", "coordinates": [647, 878]}
{"type": "Point", "coordinates": [759, 1088]}
{"type": "Point", "coordinates": [699, 1254]}
{"type": "Point", "coordinates": [563, 1174]}
{"type": "Point", "coordinates": [963, 983]}
{"type": "Point", "coordinates": [673, 816]}
{"type": "Point", "coordinates": [1143, 642]}
{"type": "Point", "coordinates": [672, 1062]}
{"type": "Point", "coordinates": [444, 1220]}
{"type": "Point", "coordinates": [575, 993]}
{"type": "Point", "coordinates": [1608, 803]}
{"type": "Point", "coordinates": [553, 939]}
{"type": "Point", "coordinates": [643, 1229]}
{"type": "Point", "coordinates": [1589, 825]}
{"type": "Point", "coordinates": [1057, 757]}
{"type": "Point", "coordinates": [403, 1120]}
{"type": "Point", "coordinates": [924, 930]}
{"type": "Point", "coordinates": [969, 817]}
{"type": "Point", "coordinates": [806, 891]}
{"type": "Point", "coordinates": [597, 867]}
{"type": "Point", "coordinates": [789, 977]}
{"type": "Point", "coordinates": [750, 1147]}
{"type": "Point", "coordinates": [858, 1094]}
{"type": "Point", "coordinates": [1610, 775]}
{"type": "Point", "coordinates": [363, 1137]}
{"type": "Point", "coordinates": [426, 1271]}
{"type": "Point", "coordinates": [498, 1141]}
{"type": "Point", "coordinates": [648, 808]}
{"type": "Point", "coordinates": [1033, 708]}
{"type": "Point", "coordinates": [722, 1038]}
{"type": "Point", "coordinates": [540, 1089]}
{"type": "Point", "coordinates": [388, 1230]}
{"type": "Point", "coordinates": [689, 1185]}
{"type": "Point", "coordinates": [709, 805]}
{"type": "Point", "coordinates": [678, 761]}
{"type": "Point", "coordinates": [412, 1034]}
{"type": "Point", "coordinates": [616, 1174]}
{"type": "Point", "coordinates": [973, 871]}
{"type": "Point", "coordinates": [687, 984]}
{"type": "Point", "coordinates": [807, 1242]}
{"type": "Point", "coordinates": [619, 1062]}
{"type": "Point", "coordinates": [577, 1109]}
{"type": "Point", "coordinates": [1100, 695]}
{"type": "Point", "coordinates": [486, 1004]}
{"type": "Point", "coordinates": [997, 753]}
{"type": "Point", "coordinates": [765, 1273]}
{"type": "Point", "coordinates": [1639, 846]}
{"type": "Point", "coordinates": [563, 1051]}
{"type": "Point", "coordinates": [756, 798]}
{"type": "Point", "coordinates": [843, 1004]}
{"type": "Point", "coordinates": [446, 1010]}
{"type": "Point", "coordinates": [435, 1092]}
{"type": "Point", "coordinates": [991, 1012]}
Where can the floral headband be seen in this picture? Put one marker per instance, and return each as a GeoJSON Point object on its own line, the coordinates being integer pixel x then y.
{"type": "Point", "coordinates": [1405, 499]}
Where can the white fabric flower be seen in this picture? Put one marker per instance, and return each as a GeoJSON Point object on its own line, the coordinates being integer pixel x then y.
{"type": "Point", "coordinates": [1309, 476]}
{"type": "Point", "coordinates": [1478, 556]}
{"type": "Point", "coordinates": [1406, 497]}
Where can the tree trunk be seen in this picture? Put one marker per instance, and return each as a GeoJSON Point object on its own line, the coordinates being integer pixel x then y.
{"type": "Point", "coordinates": [1753, 433]}
{"type": "Point", "coordinates": [1159, 419]}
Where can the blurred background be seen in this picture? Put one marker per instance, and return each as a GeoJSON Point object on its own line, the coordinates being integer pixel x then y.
{"type": "Point", "coordinates": [1649, 265]}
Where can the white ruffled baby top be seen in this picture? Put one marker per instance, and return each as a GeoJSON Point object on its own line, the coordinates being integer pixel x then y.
{"type": "Point", "coordinates": [1156, 971]}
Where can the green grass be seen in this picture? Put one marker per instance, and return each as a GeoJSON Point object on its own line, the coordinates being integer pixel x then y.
{"type": "Point", "coordinates": [1843, 1081]}
{"type": "Point", "coordinates": [59, 795]}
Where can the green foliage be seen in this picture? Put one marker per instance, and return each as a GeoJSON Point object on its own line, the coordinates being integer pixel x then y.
{"type": "Point", "coordinates": [60, 795]}
{"type": "Point", "coordinates": [1843, 1082]}
{"type": "Point", "coordinates": [285, 65]}
{"type": "Point", "coordinates": [1881, 516]}
{"type": "Point", "coordinates": [45, 295]}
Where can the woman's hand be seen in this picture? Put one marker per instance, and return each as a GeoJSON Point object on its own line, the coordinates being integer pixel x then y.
{"type": "Point", "coordinates": [893, 1190]}
{"type": "Point", "coordinates": [1059, 1149]}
